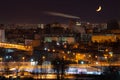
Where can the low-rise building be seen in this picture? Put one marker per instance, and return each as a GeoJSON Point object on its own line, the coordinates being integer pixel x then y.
{"type": "Point", "coordinates": [104, 38]}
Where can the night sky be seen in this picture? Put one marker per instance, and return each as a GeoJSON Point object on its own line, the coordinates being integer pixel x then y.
{"type": "Point", "coordinates": [33, 11]}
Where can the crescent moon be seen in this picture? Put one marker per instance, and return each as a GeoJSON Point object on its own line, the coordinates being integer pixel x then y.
{"type": "Point", "coordinates": [99, 9]}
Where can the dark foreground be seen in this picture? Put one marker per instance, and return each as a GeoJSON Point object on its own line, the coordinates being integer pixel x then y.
{"type": "Point", "coordinates": [72, 77]}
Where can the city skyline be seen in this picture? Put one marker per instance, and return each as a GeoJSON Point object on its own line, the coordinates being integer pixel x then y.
{"type": "Point", "coordinates": [34, 11]}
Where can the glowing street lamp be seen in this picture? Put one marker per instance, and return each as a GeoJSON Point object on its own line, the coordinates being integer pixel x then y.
{"type": "Point", "coordinates": [43, 57]}
{"type": "Point", "coordinates": [64, 57]}
{"type": "Point", "coordinates": [48, 50]}
{"type": "Point", "coordinates": [96, 63]}
{"type": "Point", "coordinates": [23, 58]}
{"type": "Point", "coordinates": [106, 50]}
{"type": "Point", "coordinates": [105, 57]}
{"type": "Point", "coordinates": [73, 53]}
{"type": "Point", "coordinates": [111, 54]}
{"type": "Point", "coordinates": [89, 56]}
{"type": "Point", "coordinates": [1, 59]}
{"type": "Point", "coordinates": [53, 50]}
{"type": "Point", "coordinates": [96, 56]}
{"type": "Point", "coordinates": [82, 62]}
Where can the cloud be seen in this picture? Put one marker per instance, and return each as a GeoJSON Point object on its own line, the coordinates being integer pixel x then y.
{"type": "Point", "coordinates": [62, 15]}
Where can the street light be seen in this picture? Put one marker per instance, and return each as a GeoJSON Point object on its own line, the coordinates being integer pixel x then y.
{"type": "Point", "coordinates": [96, 57]}
{"type": "Point", "coordinates": [64, 57]}
{"type": "Point", "coordinates": [96, 63]}
{"type": "Point", "coordinates": [43, 59]}
{"type": "Point", "coordinates": [82, 62]}
{"type": "Point", "coordinates": [48, 50]}
{"type": "Point", "coordinates": [53, 50]}
{"type": "Point", "coordinates": [23, 58]}
{"type": "Point", "coordinates": [111, 54]}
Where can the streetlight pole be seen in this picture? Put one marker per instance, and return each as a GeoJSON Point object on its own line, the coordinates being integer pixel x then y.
{"type": "Point", "coordinates": [1, 63]}
{"type": "Point", "coordinates": [42, 59]}
{"type": "Point", "coordinates": [23, 59]}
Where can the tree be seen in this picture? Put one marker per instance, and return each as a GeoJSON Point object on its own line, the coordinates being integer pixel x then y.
{"type": "Point", "coordinates": [59, 65]}
{"type": "Point", "coordinates": [112, 24]}
{"type": "Point", "coordinates": [111, 72]}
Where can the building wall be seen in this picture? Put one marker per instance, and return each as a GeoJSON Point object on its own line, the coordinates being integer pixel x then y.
{"type": "Point", "coordinates": [103, 38]}
{"type": "Point", "coordinates": [33, 43]}
{"type": "Point", "coordinates": [118, 36]}
{"type": "Point", "coordinates": [70, 40]}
